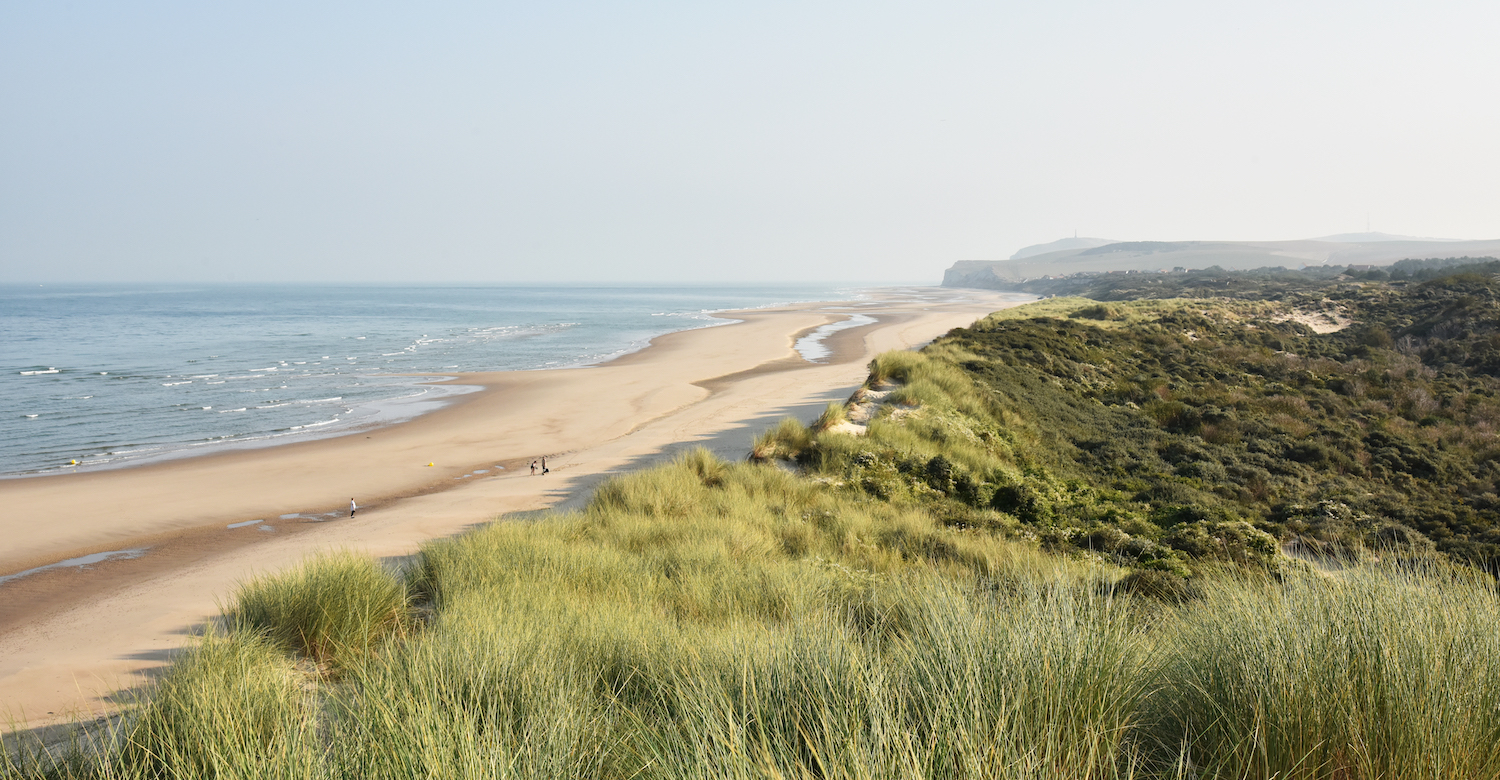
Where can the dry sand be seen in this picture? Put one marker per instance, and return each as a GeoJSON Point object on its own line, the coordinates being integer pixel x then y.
{"type": "Point", "coordinates": [72, 636]}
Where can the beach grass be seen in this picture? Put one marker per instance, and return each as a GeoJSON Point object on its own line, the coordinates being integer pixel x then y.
{"type": "Point", "coordinates": [785, 441]}
{"type": "Point", "coordinates": [832, 415]}
{"type": "Point", "coordinates": [331, 609]}
{"type": "Point", "coordinates": [1372, 672]}
{"type": "Point", "coordinates": [232, 706]}
{"type": "Point", "coordinates": [734, 620]}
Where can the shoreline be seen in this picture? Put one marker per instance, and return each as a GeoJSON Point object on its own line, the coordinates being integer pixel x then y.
{"type": "Point", "coordinates": [483, 384]}
{"type": "Point", "coordinates": [386, 412]}
{"type": "Point", "coordinates": [70, 636]}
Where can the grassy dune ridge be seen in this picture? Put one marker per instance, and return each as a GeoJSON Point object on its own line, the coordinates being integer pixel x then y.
{"type": "Point", "coordinates": [872, 606]}
{"type": "Point", "coordinates": [1169, 433]}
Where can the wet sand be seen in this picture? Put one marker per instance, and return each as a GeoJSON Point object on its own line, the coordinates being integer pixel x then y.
{"type": "Point", "coordinates": [71, 636]}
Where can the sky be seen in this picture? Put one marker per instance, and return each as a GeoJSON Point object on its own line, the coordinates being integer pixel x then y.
{"type": "Point", "coordinates": [584, 142]}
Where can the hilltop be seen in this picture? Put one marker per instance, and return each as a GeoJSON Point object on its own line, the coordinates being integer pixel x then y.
{"type": "Point", "coordinates": [1061, 245]}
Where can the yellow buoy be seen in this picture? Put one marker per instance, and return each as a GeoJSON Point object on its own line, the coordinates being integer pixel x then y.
{"type": "Point", "coordinates": [72, 463]}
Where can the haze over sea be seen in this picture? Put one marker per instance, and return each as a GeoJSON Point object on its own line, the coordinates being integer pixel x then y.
{"type": "Point", "coordinates": [110, 375]}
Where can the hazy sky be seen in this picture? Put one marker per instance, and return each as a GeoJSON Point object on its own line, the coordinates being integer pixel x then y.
{"type": "Point", "coordinates": [671, 141]}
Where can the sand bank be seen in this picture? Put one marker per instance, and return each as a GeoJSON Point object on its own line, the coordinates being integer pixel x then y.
{"type": "Point", "coordinates": [69, 636]}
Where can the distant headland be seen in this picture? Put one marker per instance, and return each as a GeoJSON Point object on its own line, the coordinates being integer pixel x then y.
{"type": "Point", "coordinates": [1075, 255]}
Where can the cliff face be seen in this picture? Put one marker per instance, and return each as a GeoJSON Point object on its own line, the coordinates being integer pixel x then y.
{"type": "Point", "coordinates": [972, 273]}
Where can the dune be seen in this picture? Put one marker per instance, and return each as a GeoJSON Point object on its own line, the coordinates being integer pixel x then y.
{"type": "Point", "coordinates": [164, 544]}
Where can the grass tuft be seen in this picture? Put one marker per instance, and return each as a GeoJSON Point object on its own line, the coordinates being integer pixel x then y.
{"type": "Point", "coordinates": [333, 609]}
{"type": "Point", "coordinates": [230, 707]}
{"type": "Point", "coordinates": [832, 415]}
{"type": "Point", "coordinates": [784, 442]}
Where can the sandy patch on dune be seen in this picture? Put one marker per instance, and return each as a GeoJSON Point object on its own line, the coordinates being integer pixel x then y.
{"type": "Point", "coordinates": [1328, 317]}
{"type": "Point", "coordinates": [863, 407]}
{"type": "Point", "coordinates": [1320, 321]}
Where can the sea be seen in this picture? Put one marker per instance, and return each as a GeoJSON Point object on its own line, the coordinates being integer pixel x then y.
{"type": "Point", "coordinates": [103, 376]}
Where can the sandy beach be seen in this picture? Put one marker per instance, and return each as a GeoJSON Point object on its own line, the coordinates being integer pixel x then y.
{"type": "Point", "coordinates": [72, 636]}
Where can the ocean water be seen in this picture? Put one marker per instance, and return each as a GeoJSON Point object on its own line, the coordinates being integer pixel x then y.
{"type": "Point", "coordinates": [106, 376]}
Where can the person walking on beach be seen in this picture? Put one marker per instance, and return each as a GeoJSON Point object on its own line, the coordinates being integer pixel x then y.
{"type": "Point", "coordinates": [352, 507]}
{"type": "Point", "coordinates": [544, 465]}
{"type": "Point", "coordinates": [533, 468]}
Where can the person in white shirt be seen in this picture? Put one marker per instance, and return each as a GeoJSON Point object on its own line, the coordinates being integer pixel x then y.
{"type": "Point", "coordinates": [352, 507]}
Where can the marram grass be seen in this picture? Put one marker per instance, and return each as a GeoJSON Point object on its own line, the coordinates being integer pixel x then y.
{"type": "Point", "coordinates": [332, 609]}
{"type": "Point", "coordinates": [707, 619]}
{"type": "Point", "coordinates": [1370, 673]}
{"type": "Point", "coordinates": [230, 707]}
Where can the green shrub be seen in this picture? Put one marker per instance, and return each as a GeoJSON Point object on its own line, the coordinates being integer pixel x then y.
{"type": "Point", "coordinates": [1227, 540]}
{"type": "Point", "coordinates": [1026, 500]}
{"type": "Point", "coordinates": [1099, 311]}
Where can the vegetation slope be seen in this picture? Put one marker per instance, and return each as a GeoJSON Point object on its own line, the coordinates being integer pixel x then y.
{"type": "Point", "coordinates": [1380, 435]}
